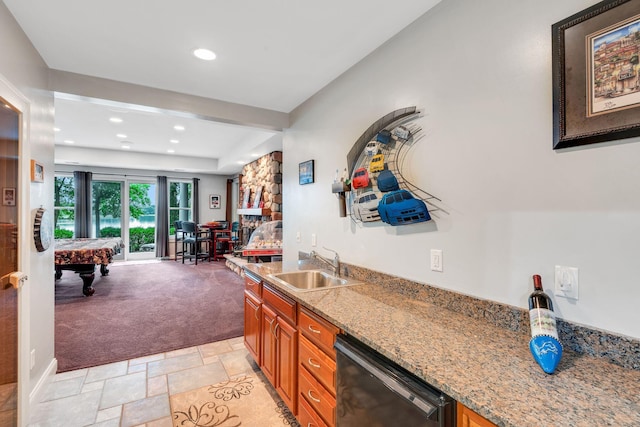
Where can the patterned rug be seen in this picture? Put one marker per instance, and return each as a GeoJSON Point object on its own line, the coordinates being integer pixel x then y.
{"type": "Point", "coordinates": [243, 401]}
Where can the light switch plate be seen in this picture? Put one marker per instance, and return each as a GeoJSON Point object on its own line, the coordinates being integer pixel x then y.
{"type": "Point", "coordinates": [566, 282]}
{"type": "Point", "coordinates": [314, 240]}
{"type": "Point", "coordinates": [436, 260]}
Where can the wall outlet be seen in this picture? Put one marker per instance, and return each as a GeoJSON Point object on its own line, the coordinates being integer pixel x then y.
{"type": "Point", "coordinates": [566, 282]}
{"type": "Point", "coordinates": [436, 260]}
{"type": "Point", "coordinates": [314, 240]}
{"type": "Point", "coordinates": [32, 361]}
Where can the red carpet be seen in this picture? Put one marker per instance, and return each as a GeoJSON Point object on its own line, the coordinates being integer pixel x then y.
{"type": "Point", "coordinates": [144, 309]}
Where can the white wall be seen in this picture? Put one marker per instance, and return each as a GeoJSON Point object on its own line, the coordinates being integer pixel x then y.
{"type": "Point", "coordinates": [481, 72]}
{"type": "Point", "coordinates": [22, 67]}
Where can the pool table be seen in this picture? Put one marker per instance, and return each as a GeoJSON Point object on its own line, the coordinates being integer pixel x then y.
{"type": "Point", "coordinates": [82, 256]}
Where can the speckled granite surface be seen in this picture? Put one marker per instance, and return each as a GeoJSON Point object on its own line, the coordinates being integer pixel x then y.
{"type": "Point", "coordinates": [482, 360]}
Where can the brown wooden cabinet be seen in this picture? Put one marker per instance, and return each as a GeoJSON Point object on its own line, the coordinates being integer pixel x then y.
{"type": "Point", "coordinates": [252, 322]}
{"type": "Point", "coordinates": [468, 418]}
{"type": "Point", "coordinates": [316, 369]}
{"type": "Point", "coordinates": [252, 317]}
{"type": "Point", "coordinates": [280, 344]}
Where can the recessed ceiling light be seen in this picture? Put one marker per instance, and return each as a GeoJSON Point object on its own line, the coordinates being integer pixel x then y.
{"type": "Point", "coordinates": [240, 162]}
{"type": "Point", "coordinates": [121, 135]}
{"type": "Point", "coordinates": [179, 127]}
{"type": "Point", "coordinates": [174, 141]}
{"type": "Point", "coordinates": [56, 129]}
{"type": "Point", "coordinates": [171, 151]}
{"type": "Point", "coordinates": [115, 120]}
{"type": "Point", "coordinates": [204, 54]}
{"type": "Point", "coordinates": [68, 141]}
{"type": "Point", "coordinates": [126, 145]}
{"type": "Point", "coordinates": [255, 155]}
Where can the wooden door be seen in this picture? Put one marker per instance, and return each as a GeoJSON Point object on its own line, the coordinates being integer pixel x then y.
{"type": "Point", "coordinates": [287, 377]}
{"type": "Point", "coordinates": [468, 418]}
{"type": "Point", "coordinates": [252, 316]}
{"type": "Point", "coordinates": [268, 340]}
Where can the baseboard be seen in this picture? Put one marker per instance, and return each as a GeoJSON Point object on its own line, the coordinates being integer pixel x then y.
{"type": "Point", "coordinates": [47, 376]}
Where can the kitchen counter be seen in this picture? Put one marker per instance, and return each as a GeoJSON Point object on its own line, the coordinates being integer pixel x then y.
{"type": "Point", "coordinates": [487, 368]}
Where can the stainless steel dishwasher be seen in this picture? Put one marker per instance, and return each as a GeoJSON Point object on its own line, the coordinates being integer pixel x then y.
{"type": "Point", "coordinates": [373, 391]}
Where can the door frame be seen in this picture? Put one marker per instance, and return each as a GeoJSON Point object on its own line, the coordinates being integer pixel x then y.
{"type": "Point", "coordinates": [133, 179]}
{"type": "Point", "coordinates": [14, 97]}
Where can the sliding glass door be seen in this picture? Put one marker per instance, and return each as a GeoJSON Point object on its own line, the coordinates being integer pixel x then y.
{"type": "Point", "coordinates": [141, 197]}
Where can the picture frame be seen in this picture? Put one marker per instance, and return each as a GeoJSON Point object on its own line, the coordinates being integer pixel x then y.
{"type": "Point", "coordinates": [214, 201]}
{"type": "Point", "coordinates": [245, 198]}
{"type": "Point", "coordinates": [37, 172]}
{"type": "Point", "coordinates": [596, 77]}
{"type": "Point", "coordinates": [305, 172]}
{"type": "Point", "coordinates": [257, 197]}
{"type": "Point", "coordinates": [8, 196]}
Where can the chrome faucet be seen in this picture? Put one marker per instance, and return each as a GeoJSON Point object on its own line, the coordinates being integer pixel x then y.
{"type": "Point", "coordinates": [333, 263]}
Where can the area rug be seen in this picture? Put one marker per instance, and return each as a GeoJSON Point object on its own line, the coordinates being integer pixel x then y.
{"type": "Point", "coordinates": [143, 309]}
{"type": "Point", "coordinates": [244, 401]}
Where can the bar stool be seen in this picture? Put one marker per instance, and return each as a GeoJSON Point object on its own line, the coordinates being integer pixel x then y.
{"type": "Point", "coordinates": [193, 241]}
{"type": "Point", "coordinates": [179, 236]}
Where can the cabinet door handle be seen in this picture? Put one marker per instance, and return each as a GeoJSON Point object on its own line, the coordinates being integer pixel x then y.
{"type": "Point", "coordinates": [275, 330]}
{"type": "Point", "coordinates": [312, 363]}
{"type": "Point", "coordinates": [271, 326]}
{"type": "Point", "coordinates": [314, 330]}
{"type": "Point", "coordinates": [312, 398]}
{"type": "Point", "coordinates": [310, 425]}
{"type": "Point", "coordinates": [255, 312]}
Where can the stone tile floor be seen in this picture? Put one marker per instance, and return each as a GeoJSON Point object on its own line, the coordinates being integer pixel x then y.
{"type": "Point", "coordinates": [135, 393]}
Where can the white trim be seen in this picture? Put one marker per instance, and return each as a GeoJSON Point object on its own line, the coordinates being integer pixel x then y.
{"type": "Point", "coordinates": [14, 97]}
{"type": "Point", "coordinates": [46, 378]}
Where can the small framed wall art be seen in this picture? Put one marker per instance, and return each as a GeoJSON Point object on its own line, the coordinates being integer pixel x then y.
{"type": "Point", "coordinates": [305, 171]}
{"type": "Point", "coordinates": [214, 201]}
{"type": "Point", "coordinates": [9, 196]}
{"type": "Point", "coordinates": [37, 172]}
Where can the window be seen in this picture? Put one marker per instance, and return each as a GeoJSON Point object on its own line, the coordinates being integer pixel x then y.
{"type": "Point", "coordinates": [179, 203]}
{"type": "Point", "coordinates": [64, 207]}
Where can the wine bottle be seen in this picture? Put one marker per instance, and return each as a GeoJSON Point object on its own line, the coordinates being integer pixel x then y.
{"type": "Point", "coordinates": [541, 315]}
{"type": "Point", "coordinates": [544, 344]}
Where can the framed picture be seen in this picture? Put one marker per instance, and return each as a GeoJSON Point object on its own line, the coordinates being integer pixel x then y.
{"type": "Point", "coordinates": [257, 197]}
{"type": "Point", "coordinates": [596, 74]}
{"type": "Point", "coordinates": [305, 171]}
{"type": "Point", "coordinates": [9, 196]}
{"type": "Point", "coordinates": [214, 201]}
{"type": "Point", "coordinates": [245, 199]}
{"type": "Point", "coordinates": [37, 172]}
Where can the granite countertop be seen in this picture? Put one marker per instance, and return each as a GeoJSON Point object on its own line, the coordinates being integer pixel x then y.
{"type": "Point", "coordinates": [487, 368]}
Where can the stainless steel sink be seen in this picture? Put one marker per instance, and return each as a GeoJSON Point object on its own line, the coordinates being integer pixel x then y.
{"type": "Point", "coordinates": [311, 280]}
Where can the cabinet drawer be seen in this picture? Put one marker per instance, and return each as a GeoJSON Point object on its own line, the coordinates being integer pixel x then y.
{"type": "Point", "coordinates": [321, 366]}
{"type": "Point", "coordinates": [253, 286]}
{"type": "Point", "coordinates": [318, 331]}
{"type": "Point", "coordinates": [284, 306]}
{"type": "Point", "coordinates": [307, 417]}
{"type": "Point", "coordinates": [317, 396]}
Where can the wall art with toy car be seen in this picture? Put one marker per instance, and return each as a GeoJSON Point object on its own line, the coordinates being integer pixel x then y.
{"type": "Point", "coordinates": [380, 190]}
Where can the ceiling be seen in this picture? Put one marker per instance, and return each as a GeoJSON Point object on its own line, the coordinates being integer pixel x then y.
{"type": "Point", "coordinates": [271, 54]}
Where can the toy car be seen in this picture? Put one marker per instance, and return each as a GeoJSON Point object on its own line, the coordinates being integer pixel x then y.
{"type": "Point", "coordinates": [371, 148]}
{"type": "Point", "coordinates": [387, 181]}
{"type": "Point", "coordinates": [384, 136]}
{"type": "Point", "coordinates": [377, 163]}
{"type": "Point", "coordinates": [365, 207]}
{"type": "Point", "coordinates": [400, 208]}
{"type": "Point", "coordinates": [360, 178]}
{"type": "Point", "coordinates": [401, 132]}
